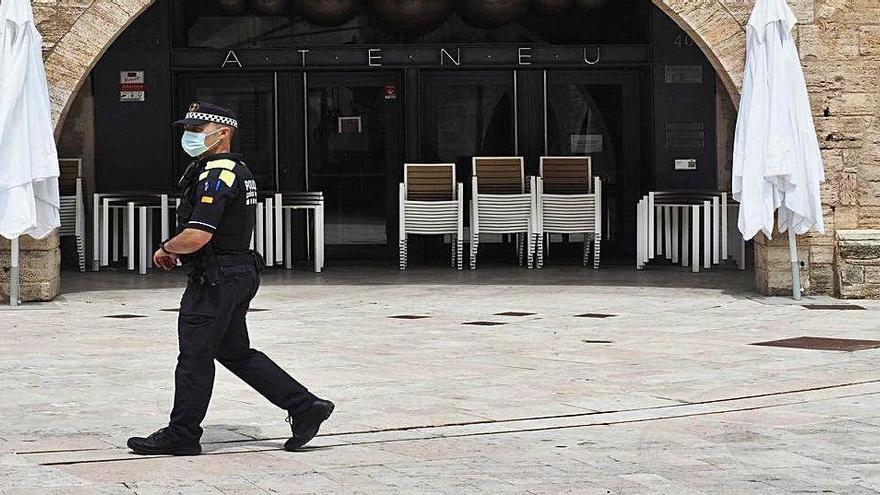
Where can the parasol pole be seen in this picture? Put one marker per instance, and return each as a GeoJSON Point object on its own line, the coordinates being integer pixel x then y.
{"type": "Point", "coordinates": [13, 274]}
{"type": "Point", "coordinates": [795, 265]}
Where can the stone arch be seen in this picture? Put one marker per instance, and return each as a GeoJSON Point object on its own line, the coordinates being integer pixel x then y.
{"type": "Point", "coordinates": [69, 61]}
{"type": "Point", "coordinates": [717, 32]}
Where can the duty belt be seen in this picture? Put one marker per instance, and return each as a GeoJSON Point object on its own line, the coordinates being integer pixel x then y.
{"type": "Point", "coordinates": [250, 257]}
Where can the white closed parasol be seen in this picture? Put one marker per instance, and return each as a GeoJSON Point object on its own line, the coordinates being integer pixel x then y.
{"type": "Point", "coordinates": [29, 200]}
{"type": "Point", "coordinates": [777, 165]}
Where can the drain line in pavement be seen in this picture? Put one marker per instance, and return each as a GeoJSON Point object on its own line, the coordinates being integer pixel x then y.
{"type": "Point", "coordinates": [485, 433]}
{"type": "Point", "coordinates": [507, 420]}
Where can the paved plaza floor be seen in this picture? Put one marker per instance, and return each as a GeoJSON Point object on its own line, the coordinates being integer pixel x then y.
{"type": "Point", "coordinates": [607, 382]}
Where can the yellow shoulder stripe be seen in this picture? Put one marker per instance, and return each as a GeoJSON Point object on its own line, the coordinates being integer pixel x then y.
{"type": "Point", "coordinates": [203, 175]}
{"type": "Point", "coordinates": [227, 177]}
{"type": "Point", "coordinates": [224, 163]}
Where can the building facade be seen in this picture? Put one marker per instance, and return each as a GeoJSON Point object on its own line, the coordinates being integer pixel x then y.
{"type": "Point", "coordinates": [413, 81]}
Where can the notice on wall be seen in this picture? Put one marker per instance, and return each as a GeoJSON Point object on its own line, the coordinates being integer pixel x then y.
{"type": "Point", "coordinates": [131, 85]}
{"type": "Point", "coordinates": [587, 143]}
{"type": "Point", "coordinates": [684, 74]}
{"type": "Point", "coordinates": [349, 125]}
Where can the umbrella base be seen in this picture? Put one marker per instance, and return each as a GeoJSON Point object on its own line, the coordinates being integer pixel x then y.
{"type": "Point", "coordinates": [14, 278]}
{"type": "Point", "coordinates": [795, 266]}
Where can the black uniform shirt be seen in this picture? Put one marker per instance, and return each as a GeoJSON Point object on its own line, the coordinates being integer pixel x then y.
{"type": "Point", "coordinates": [222, 202]}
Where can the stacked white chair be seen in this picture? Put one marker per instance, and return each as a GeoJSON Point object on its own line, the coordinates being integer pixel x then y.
{"type": "Point", "coordinates": [431, 203]}
{"type": "Point", "coordinates": [73, 221]}
{"type": "Point", "coordinates": [569, 201]}
{"type": "Point", "coordinates": [502, 202]}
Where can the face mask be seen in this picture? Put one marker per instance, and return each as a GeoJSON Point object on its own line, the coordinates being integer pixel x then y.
{"type": "Point", "coordinates": [193, 143]}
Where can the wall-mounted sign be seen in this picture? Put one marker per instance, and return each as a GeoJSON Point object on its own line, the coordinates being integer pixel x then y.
{"type": "Point", "coordinates": [685, 164]}
{"type": "Point", "coordinates": [416, 55]}
{"type": "Point", "coordinates": [684, 74]}
{"type": "Point", "coordinates": [390, 92]}
{"type": "Point", "coordinates": [685, 134]}
{"type": "Point", "coordinates": [349, 125]}
{"type": "Point", "coordinates": [131, 85]}
{"type": "Point", "coordinates": [587, 143]}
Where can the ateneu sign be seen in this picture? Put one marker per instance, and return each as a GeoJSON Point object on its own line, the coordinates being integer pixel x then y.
{"type": "Point", "coordinates": [431, 56]}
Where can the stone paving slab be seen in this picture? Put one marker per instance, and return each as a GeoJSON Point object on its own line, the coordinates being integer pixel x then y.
{"type": "Point", "coordinates": [666, 396]}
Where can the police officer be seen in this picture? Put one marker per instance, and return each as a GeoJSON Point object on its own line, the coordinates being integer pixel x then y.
{"type": "Point", "coordinates": [215, 223]}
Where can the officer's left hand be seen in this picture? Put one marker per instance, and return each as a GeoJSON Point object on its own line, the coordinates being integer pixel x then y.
{"type": "Point", "coordinates": [164, 259]}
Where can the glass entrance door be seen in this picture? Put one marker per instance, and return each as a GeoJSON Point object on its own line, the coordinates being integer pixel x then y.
{"type": "Point", "coordinates": [467, 114]}
{"type": "Point", "coordinates": [354, 157]}
{"type": "Point", "coordinates": [599, 114]}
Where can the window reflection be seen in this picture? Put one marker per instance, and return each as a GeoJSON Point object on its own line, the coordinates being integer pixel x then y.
{"type": "Point", "coordinates": [251, 98]}
{"type": "Point", "coordinates": [208, 26]}
{"type": "Point", "coordinates": [587, 120]}
{"type": "Point", "coordinates": [576, 124]}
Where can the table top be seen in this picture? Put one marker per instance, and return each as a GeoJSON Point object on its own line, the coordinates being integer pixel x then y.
{"type": "Point", "coordinates": [302, 207]}
{"type": "Point", "coordinates": [698, 205]}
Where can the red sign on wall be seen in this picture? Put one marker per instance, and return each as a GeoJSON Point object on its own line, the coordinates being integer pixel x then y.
{"type": "Point", "coordinates": [131, 85]}
{"type": "Point", "coordinates": [390, 92]}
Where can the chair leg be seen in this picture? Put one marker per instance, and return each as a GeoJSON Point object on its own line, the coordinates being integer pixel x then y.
{"type": "Point", "coordinates": [586, 246]}
{"type": "Point", "coordinates": [519, 249]}
{"type": "Point", "coordinates": [403, 254]}
{"type": "Point", "coordinates": [530, 258]}
{"type": "Point", "coordinates": [452, 244]}
{"type": "Point", "coordinates": [539, 249]}
{"type": "Point", "coordinates": [597, 241]}
{"type": "Point", "coordinates": [475, 243]}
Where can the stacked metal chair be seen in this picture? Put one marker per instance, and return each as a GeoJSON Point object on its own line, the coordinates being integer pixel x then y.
{"type": "Point", "coordinates": [502, 202]}
{"type": "Point", "coordinates": [431, 203]}
{"type": "Point", "coordinates": [569, 201]}
{"type": "Point", "coordinates": [72, 212]}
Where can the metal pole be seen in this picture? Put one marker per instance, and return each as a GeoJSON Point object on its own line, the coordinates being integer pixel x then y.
{"type": "Point", "coordinates": [795, 265]}
{"type": "Point", "coordinates": [13, 274]}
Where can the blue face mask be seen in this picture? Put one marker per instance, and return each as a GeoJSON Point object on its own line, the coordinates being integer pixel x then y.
{"type": "Point", "coordinates": [193, 143]}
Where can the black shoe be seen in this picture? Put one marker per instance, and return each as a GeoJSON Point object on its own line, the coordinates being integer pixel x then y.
{"type": "Point", "coordinates": [305, 426]}
{"type": "Point", "coordinates": [160, 443]}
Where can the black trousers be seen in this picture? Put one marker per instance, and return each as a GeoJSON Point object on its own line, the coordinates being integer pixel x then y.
{"type": "Point", "coordinates": [211, 325]}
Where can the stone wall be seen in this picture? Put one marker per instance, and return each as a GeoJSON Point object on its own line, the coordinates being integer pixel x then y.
{"type": "Point", "coordinates": [39, 265]}
{"type": "Point", "coordinates": [839, 42]}
{"type": "Point", "coordinates": [858, 264]}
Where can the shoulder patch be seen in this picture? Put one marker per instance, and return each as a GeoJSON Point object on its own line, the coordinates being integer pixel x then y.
{"type": "Point", "coordinates": [224, 164]}
{"type": "Point", "coordinates": [227, 177]}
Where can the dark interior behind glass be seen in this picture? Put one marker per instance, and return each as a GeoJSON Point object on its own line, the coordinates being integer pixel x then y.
{"type": "Point", "coordinates": [206, 25]}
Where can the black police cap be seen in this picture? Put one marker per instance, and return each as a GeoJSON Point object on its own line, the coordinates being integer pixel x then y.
{"type": "Point", "coordinates": [200, 113]}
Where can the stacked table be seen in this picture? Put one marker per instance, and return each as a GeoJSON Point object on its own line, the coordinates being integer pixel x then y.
{"type": "Point", "coordinates": [273, 233]}
{"type": "Point", "coordinates": [688, 227]}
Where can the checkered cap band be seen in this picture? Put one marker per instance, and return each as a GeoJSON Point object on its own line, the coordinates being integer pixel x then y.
{"type": "Point", "coordinates": [213, 118]}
